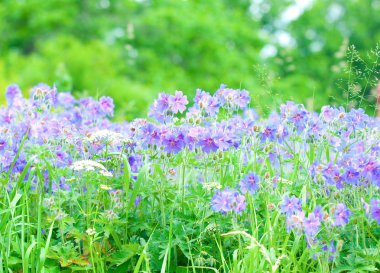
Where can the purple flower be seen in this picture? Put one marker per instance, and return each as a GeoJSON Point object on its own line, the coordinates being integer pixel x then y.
{"type": "Point", "coordinates": [193, 113]}
{"type": "Point", "coordinates": [311, 225]}
{"type": "Point", "coordinates": [250, 183]}
{"type": "Point", "coordinates": [226, 95]}
{"type": "Point", "coordinates": [6, 117]}
{"type": "Point", "coordinates": [227, 200]}
{"type": "Point", "coordinates": [86, 102]}
{"type": "Point", "coordinates": [370, 165]}
{"type": "Point", "coordinates": [315, 128]}
{"type": "Point", "coordinates": [318, 212]}
{"type": "Point", "coordinates": [338, 179]}
{"type": "Point", "coordinates": [341, 215]}
{"type": "Point", "coordinates": [135, 161]}
{"type": "Point", "coordinates": [331, 249]}
{"type": "Point", "coordinates": [351, 176]}
{"type": "Point", "coordinates": [194, 133]}
{"type": "Point", "coordinates": [162, 103]}
{"type": "Point", "coordinates": [6, 159]}
{"type": "Point", "coordinates": [63, 185]}
{"type": "Point", "coordinates": [290, 205]}
{"type": "Point", "coordinates": [63, 158]}
{"type": "Point", "coordinates": [91, 108]}
{"type": "Point", "coordinates": [239, 204]}
{"type": "Point", "coordinates": [137, 201]}
{"type": "Point", "coordinates": [43, 96]}
{"type": "Point", "coordinates": [149, 135]}
{"type": "Point", "coordinates": [202, 99]}
{"type": "Point", "coordinates": [158, 110]}
{"type": "Point", "coordinates": [3, 144]}
{"type": "Point", "coordinates": [208, 144]}
{"type": "Point", "coordinates": [13, 92]}
{"type": "Point", "coordinates": [178, 102]}
{"type": "Point", "coordinates": [107, 105]}
{"type": "Point", "coordinates": [223, 140]}
{"type": "Point", "coordinates": [222, 201]}
{"type": "Point", "coordinates": [173, 143]}
{"type": "Point", "coordinates": [281, 133]}
{"type": "Point", "coordinates": [332, 175]}
{"type": "Point", "coordinates": [371, 170]}
{"type": "Point", "coordinates": [66, 100]}
{"type": "Point", "coordinates": [53, 187]}
{"type": "Point", "coordinates": [76, 116]}
{"type": "Point", "coordinates": [286, 109]}
{"type": "Point", "coordinates": [376, 176]}
{"type": "Point", "coordinates": [356, 118]}
{"type": "Point", "coordinates": [295, 114]}
{"type": "Point", "coordinates": [375, 210]}
{"type": "Point", "coordinates": [329, 171]}
{"type": "Point", "coordinates": [53, 94]}
{"type": "Point", "coordinates": [158, 115]}
{"type": "Point", "coordinates": [299, 119]}
{"type": "Point", "coordinates": [212, 106]}
{"type": "Point", "coordinates": [243, 99]}
{"type": "Point", "coordinates": [20, 163]}
{"type": "Point", "coordinates": [269, 133]}
{"type": "Point", "coordinates": [328, 113]}
{"type": "Point", "coordinates": [94, 110]}
{"type": "Point", "coordinates": [295, 221]}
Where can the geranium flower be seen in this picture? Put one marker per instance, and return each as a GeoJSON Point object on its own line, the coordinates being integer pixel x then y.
{"type": "Point", "coordinates": [375, 210]}
{"type": "Point", "coordinates": [250, 183]}
{"type": "Point", "coordinates": [178, 102]}
{"type": "Point", "coordinates": [290, 205]}
{"type": "Point", "coordinates": [341, 215]}
{"type": "Point", "coordinates": [311, 225]}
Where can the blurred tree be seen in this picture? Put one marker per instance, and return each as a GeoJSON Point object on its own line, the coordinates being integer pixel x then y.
{"type": "Point", "coordinates": [132, 50]}
{"type": "Point", "coordinates": [318, 55]}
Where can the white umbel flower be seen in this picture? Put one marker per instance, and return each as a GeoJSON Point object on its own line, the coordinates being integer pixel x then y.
{"type": "Point", "coordinates": [90, 165]}
{"type": "Point", "coordinates": [106, 136]}
{"type": "Point", "coordinates": [91, 231]}
{"type": "Point", "coordinates": [87, 165]}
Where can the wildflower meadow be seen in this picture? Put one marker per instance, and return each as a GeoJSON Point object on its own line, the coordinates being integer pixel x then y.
{"type": "Point", "coordinates": [202, 185]}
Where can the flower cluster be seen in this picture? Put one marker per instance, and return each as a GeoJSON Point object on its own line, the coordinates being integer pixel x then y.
{"type": "Point", "coordinates": [249, 183]}
{"type": "Point", "coordinates": [166, 105]}
{"type": "Point", "coordinates": [232, 200]}
{"type": "Point", "coordinates": [320, 159]}
{"type": "Point", "coordinates": [296, 219]}
{"type": "Point", "coordinates": [317, 225]}
{"type": "Point", "coordinates": [228, 200]}
{"type": "Point", "coordinates": [373, 209]}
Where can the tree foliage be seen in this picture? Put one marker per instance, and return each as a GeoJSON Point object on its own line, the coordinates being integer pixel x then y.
{"type": "Point", "coordinates": [134, 49]}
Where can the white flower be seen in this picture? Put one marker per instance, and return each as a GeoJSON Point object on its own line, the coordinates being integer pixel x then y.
{"type": "Point", "coordinates": [106, 136]}
{"type": "Point", "coordinates": [49, 202]}
{"type": "Point", "coordinates": [87, 165]}
{"type": "Point", "coordinates": [110, 214]}
{"type": "Point", "coordinates": [90, 165]}
{"type": "Point", "coordinates": [106, 173]}
{"type": "Point", "coordinates": [105, 187]}
{"type": "Point", "coordinates": [91, 231]}
{"type": "Point", "coordinates": [211, 186]}
{"type": "Point", "coordinates": [60, 215]}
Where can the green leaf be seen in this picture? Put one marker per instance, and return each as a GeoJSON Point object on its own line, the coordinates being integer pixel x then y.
{"type": "Point", "coordinates": [125, 254]}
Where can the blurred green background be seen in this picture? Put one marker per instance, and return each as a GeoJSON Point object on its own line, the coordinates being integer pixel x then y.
{"type": "Point", "coordinates": [131, 50]}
